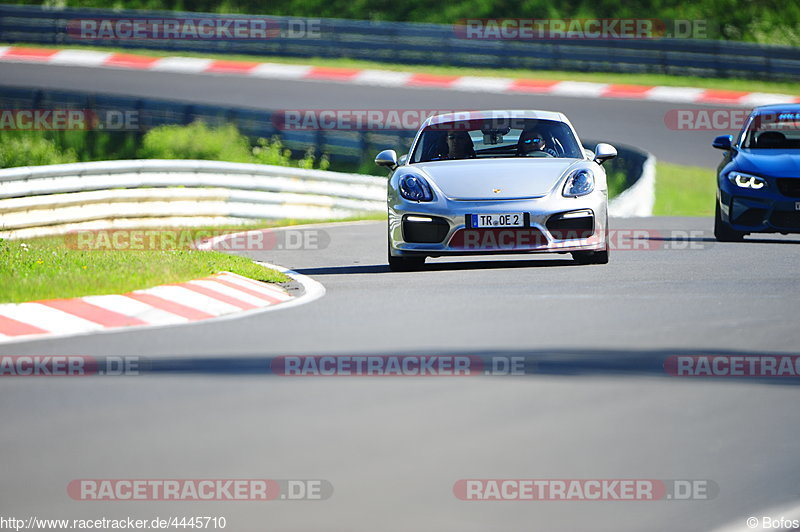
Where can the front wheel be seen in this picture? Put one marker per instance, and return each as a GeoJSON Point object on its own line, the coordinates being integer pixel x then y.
{"type": "Point", "coordinates": [593, 257]}
{"type": "Point", "coordinates": [590, 257]}
{"type": "Point", "coordinates": [405, 264]}
{"type": "Point", "coordinates": [723, 231]}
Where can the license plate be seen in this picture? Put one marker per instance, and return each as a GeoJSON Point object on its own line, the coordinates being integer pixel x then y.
{"type": "Point", "coordinates": [478, 221]}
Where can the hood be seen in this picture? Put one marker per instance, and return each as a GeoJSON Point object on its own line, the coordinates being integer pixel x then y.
{"type": "Point", "coordinates": [478, 179]}
{"type": "Point", "coordinates": [771, 163]}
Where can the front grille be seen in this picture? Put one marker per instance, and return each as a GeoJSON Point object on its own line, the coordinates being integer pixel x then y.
{"type": "Point", "coordinates": [789, 186]}
{"type": "Point", "coordinates": [787, 219]}
{"type": "Point", "coordinates": [570, 228]}
{"type": "Point", "coordinates": [431, 232]}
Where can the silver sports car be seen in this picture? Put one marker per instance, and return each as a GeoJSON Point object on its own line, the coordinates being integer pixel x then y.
{"type": "Point", "coordinates": [497, 182]}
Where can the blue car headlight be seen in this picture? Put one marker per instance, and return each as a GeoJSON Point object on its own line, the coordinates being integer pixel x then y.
{"type": "Point", "coordinates": [747, 181]}
{"type": "Point", "coordinates": [415, 188]}
{"type": "Point", "coordinates": [579, 183]}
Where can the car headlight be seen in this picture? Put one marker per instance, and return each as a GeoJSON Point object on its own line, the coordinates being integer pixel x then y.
{"type": "Point", "coordinates": [746, 180]}
{"type": "Point", "coordinates": [579, 183]}
{"type": "Point", "coordinates": [415, 188]}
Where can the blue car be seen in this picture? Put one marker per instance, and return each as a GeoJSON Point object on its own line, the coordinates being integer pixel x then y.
{"type": "Point", "coordinates": [758, 181]}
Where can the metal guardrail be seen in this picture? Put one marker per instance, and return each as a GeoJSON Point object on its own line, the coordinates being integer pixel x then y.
{"type": "Point", "coordinates": [45, 200]}
{"type": "Point", "coordinates": [413, 43]}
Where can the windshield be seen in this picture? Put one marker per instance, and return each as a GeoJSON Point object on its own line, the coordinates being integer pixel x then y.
{"type": "Point", "coordinates": [779, 130]}
{"type": "Point", "coordinates": [482, 139]}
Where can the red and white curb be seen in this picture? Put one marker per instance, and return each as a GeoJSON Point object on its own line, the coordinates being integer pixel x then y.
{"type": "Point", "coordinates": [223, 295]}
{"type": "Point", "coordinates": [388, 78]}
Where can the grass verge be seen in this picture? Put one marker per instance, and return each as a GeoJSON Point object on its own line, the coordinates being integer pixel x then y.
{"type": "Point", "coordinates": [51, 267]}
{"type": "Point", "coordinates": [44, 268]}
{"type": "Point", "coordinates": [747, 85]}
{"type": "Point", "coordinates": [684, 190]}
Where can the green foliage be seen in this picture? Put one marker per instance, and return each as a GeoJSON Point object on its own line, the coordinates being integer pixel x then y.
{"type": "Point", "coordinates": [196, 141]}
{"type": "Point", "coordinates": [222, 143]}
{"type": "Point", "coordinates": [30, 149]}
{"type": "Point", "coordinates": [617, 181]}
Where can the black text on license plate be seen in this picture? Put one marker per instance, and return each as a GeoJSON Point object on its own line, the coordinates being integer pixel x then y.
{"type": "Point", "coordinates": [479, 221]}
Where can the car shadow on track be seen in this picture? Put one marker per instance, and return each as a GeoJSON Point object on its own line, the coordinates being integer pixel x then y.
{"type": "Point", "coordinates": [761, 240]}
{"type": "Point", "coordinates": [712, 240]}
{"type": "Point", "coordinates": [439, 266]}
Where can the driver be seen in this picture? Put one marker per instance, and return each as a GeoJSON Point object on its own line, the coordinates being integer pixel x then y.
{"type": "Point", "coordinates": [532, 144]}
{"type": "Point", "coordinates": [459, 145]}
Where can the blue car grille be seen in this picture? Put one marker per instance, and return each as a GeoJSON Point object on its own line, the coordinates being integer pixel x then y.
{"type": "Point", "coordinates": [787, 219]}
{"type": "Point", "coordinates": [789, 186]}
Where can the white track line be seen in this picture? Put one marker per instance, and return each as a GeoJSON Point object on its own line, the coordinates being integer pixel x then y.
{"type": "Point", "coordinates": [88, 58]}
{"type": "Point", "coordinates": [385, 78]}
{"type": "Point", "coordinates": [181, 64]}
{"type": "Point", "coordinates": [482, 84]}
{"type": "Point", "coordinates": [279, 71]}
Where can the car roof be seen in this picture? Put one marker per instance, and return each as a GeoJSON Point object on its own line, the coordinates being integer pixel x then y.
{"type": "Point", "coordinates": [495, 115]}
{"type": "Point", "coordinates": [779, 107]}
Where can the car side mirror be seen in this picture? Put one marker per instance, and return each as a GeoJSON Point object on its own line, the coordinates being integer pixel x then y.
{"type": "Point", "coordinates": [387, 158]}
{"type": "Point", "coordinates": [723, 142]}
{"type": "Point", "coordinates": [604, 152]}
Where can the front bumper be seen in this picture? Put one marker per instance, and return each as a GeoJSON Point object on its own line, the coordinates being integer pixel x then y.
{"type": "Point", "coordinates": [766, 210]}
{"type": "Point", "coordinates": [543, 230]}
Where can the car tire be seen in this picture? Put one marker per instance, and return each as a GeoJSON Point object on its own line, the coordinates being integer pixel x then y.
{"type": "Point", "coordinates": [723, 232]}
{"type": "Point", "coordinates": [406, 264]}
{"type": "Point", "coordinates": [402, 264]}
{"type": "Point", "coordinates": [590, 257]}
{"type": "Point", "coordinates": [593, 257]}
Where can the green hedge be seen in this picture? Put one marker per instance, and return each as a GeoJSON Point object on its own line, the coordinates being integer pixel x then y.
{"type": "Point", "coordinates": [195, 141]}
{"type": "Point", "coordinates": [767, 21]}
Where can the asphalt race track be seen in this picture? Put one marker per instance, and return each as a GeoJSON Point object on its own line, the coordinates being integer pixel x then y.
{"type": "Point", "coordinates": [634, 122]}
{"type": "Point", "coordinates": [597, 402]}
